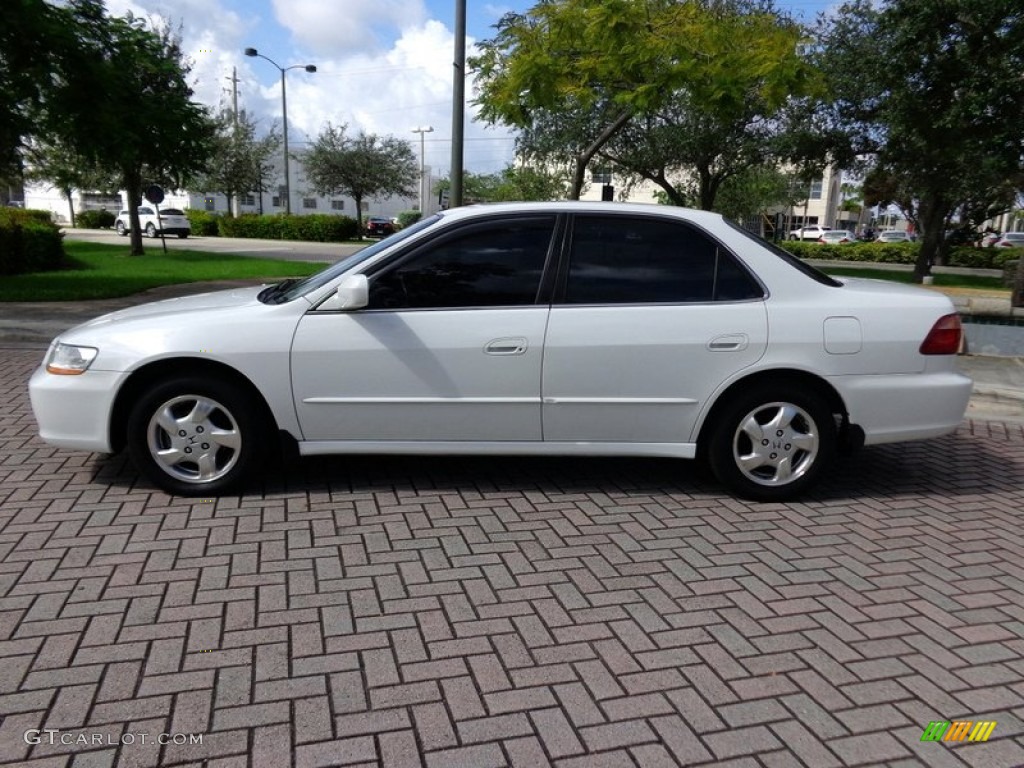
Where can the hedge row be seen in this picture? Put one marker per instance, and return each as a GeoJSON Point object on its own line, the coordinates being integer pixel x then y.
{"type": "Point", "coordinates": [317, 227]}
{"type": "Point", "coordinates": [203, 222]}
{"type": "Point", "coordinates": [95, 219]}
{"type": "Point", "coordinates": [320, 227]}
{"type": "Point", "coordinates": [902, 253]}
{"type": "Point", "coordinates": [29, 242]}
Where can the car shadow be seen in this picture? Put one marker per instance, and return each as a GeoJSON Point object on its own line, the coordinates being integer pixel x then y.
{"type": "Point", "coordinates": [956, 465]}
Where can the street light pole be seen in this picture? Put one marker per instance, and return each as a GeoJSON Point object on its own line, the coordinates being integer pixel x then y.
{"type": "Point", "coordinates": [423, 129]}
{"type": "Point", "coordinates": [284, 119]}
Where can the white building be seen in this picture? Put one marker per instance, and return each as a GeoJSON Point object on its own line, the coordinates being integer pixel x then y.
{"type": "Point", "coordinates": [40, 195]}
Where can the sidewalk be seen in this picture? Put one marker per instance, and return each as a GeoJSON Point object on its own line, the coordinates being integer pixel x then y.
{"type": "Point", "coordinates": [998, 380]}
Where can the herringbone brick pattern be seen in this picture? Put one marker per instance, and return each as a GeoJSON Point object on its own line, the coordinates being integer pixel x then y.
{"type": "Point", "coordinates": [469, 612]}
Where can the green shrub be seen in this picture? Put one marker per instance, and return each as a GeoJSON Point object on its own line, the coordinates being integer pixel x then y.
{"type": "Point", "coordinates": [887, 253]}
{"type": "Point", "coordinates": [24, 216]}
{"type": "Point", "coordinates": [31, 246]}
{"type": "Point", "coordinates": [902, 253]}
{"type": "Point", "coordinates": [95, 219]}
{"type": "Point", "coordinates": [983, 258]}
{"type": "Point", "coordinates": [319, 227]}
{"type": "Point", "coordinates": [203, 222]}
{"type": "Point", "coordinates": [405, 218]}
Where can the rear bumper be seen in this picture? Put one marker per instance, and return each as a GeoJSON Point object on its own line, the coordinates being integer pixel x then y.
{"type": "Point", "coordinates": [902, 407]}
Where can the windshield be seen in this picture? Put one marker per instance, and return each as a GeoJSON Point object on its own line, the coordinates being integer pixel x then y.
{"type": "Point", "coordinates": [321, 279]}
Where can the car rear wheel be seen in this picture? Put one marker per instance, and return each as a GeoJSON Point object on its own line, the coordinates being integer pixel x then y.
{"type": "Point", "coordinates": [182, 235]}
{"type": "Point", "coordinates": [120, 229]}
{"type": "Point", "coordinates": [195, 437]}
{"type": "Point", "coordinates": [150, 230]}
{"type": "Point", "coordinates": [773, 444]}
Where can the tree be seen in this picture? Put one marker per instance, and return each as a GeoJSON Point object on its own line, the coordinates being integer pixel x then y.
{"type": "Point", "coordinates": [137, 119]}
{"type": "Point", "coordinates": [583, 73]}
{"type": "Point", "coordinates": [36, 39]}
{"type": "Point", "coordinates": [239, 160]}
{"type": "Point", "coordinates": [67, 171]}
{"type": "Point", "coordinates": [510, 184]}
{"type": "Point", "coordinates": [932, 93]}
{"type": "Point", "coordinates": [363, 166]}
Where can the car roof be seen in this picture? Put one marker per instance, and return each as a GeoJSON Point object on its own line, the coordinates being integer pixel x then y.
{"type": "Point", "coordinates": [584, 206]}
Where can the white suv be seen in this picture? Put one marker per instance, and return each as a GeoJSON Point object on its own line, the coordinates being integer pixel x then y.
{"type": "Point", "coordinates": [171, 221]}
{"type": "Point", "coordinates": [810, 232]}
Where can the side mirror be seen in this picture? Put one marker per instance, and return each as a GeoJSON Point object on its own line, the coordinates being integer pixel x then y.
{"type": "Point", "coordinates": [353, 293]}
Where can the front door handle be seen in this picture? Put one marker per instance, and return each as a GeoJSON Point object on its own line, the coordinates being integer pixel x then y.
{"type": "Point", "coordinates": [516, 345]}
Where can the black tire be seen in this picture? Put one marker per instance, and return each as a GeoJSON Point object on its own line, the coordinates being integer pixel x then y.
{"type": "Point", "coordinates": [150, 231]}
{"type": "Point", "coordinates": [781, 464]}
{"type": "Point", "coordinates": [222, 413]}
{"type": "Point", "coordinates": [120, 229]}
{"type": "Point", "coordinates": [182, 235]}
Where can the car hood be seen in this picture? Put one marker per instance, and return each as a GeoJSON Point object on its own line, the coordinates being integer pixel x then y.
{"type": "Point", "coordinates": [227, 300]}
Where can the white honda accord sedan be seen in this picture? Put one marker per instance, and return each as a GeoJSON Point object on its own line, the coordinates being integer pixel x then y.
{"type": "Point", "coordinates": [546, 328]}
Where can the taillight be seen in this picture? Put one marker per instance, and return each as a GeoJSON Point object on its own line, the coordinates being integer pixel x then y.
{"type": "Point", "coordinates": [944, 337]}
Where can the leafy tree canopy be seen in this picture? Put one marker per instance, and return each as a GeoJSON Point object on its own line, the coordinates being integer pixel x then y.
{"type": "Point", "coordinates": [932, 93]}
{"type": "Point", "coordinates": [361, 167]}
{"type": "Point", "coordinates": [513, 183]}
{"type": "Point", "coordinates": [111, 91]}
{"type": "Point", "coordinates": [590, 69]}
{"type": "Point", "coordinates": [239, 161]}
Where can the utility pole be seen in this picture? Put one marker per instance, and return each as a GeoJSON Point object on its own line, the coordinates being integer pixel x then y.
{"type": "Point", "coordinates": [235, 203]}
{"type": "Point", "coordinates": [234, 92]}
{"type": "Point", "coordinates": [458, 103]}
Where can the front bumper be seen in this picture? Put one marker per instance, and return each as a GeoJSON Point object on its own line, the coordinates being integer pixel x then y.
{"type": "Point", "coordinates": [74, 411]}
{"type": "Point", "coordinates": [901, 407]}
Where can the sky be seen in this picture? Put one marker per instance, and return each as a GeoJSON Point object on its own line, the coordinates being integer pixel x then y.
{"type": "Point", "coordinates": [383, 66]}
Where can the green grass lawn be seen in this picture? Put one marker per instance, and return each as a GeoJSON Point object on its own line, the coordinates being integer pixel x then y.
{"type": "Point", "coordinates": [97, 271]}
{"type": "Point", "coordinates": [944, 281]}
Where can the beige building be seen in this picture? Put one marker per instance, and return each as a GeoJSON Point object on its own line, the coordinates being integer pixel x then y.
{"type": "Point", "coordinates": [821, 206]}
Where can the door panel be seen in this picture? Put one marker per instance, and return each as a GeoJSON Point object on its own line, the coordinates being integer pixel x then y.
{"type": "Point", "coordinates": [449, 348]}
{"type": "Point", "coordinates": [651, 316]}
{"type": "Point", "coordinates": [642, 374]}
{"type": "Point", "coordinates": [419, 375]}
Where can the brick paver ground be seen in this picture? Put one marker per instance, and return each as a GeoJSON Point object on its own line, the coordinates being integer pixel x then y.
{"type": "Point", "coordinates": [457, 612]}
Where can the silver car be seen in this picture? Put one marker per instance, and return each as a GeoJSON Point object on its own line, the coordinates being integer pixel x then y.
{"type": "Point", "coordinates": [893, 236]}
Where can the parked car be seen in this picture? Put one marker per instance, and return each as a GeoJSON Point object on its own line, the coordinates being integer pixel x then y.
{"type": "Point", "coordinates": [989, 239]}
{"type": "Point", "coordinates": [378, 226]}
{"type": "Point", "coordinates": [837, 237]}
{"type": "Point", "coordinates": [546, 328]}
{"type": "Point", "coordinates": [893, 236]}
{"type": "Point", "coordinates": [171, 221]}
{"type": "Point", "coordinates": [1010, 240]}
{"type": "Point", "coordinates": [810, 232]}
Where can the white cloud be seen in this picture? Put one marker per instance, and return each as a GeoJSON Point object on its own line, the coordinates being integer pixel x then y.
{"type": "Point", "coordinates": [388, 90]}
{"type": "Point", "coordinates": [407, 86]}
{"type": "Point", "coordinates": [342, 28]}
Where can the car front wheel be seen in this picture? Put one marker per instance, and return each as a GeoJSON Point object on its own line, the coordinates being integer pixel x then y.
{"type": "Point", "coordinates": [196, 437]}
{"type": "Point", "coordinates": [119, 228]}
{"type": "Point", "coordinates": [150, 230]}
{"type": "Point", "coordinates": [773, 444]}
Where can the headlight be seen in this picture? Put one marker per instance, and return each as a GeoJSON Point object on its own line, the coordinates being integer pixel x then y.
{"type": "Point", "coordinates": [69, 360]}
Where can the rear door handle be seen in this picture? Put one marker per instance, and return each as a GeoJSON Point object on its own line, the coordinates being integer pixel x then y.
{"type": "Point", "coordinates": [730, 342]}
{"type": "Point", "coordinates": [516, 345]}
